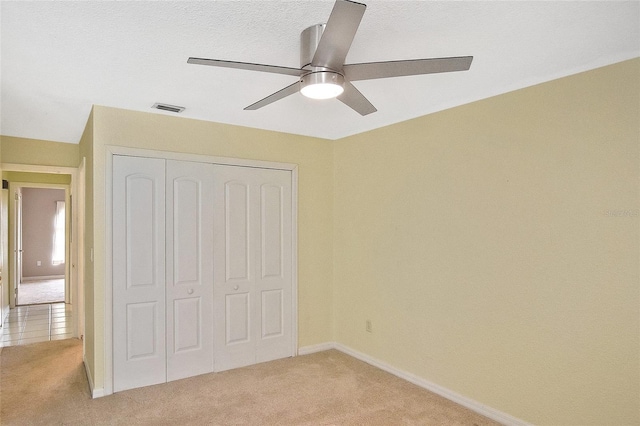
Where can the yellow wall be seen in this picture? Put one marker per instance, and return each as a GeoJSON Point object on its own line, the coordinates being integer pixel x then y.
{"type": "Point", "coordinates": [85, 150]}
{"type": "Point", "coordinates": [38, 152]}
{"type": "Point", "coordinates": [314, 157]}
{"type": "Point", "coordinates": [494, 247]}
{"type": "Point", "coordinates": [49, 178]}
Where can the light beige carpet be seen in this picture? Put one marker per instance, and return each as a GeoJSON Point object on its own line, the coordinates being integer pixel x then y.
{"type": "Point", "coordinates": [41, 291]}
{"type": "Point", "coordinates": [45, 384]}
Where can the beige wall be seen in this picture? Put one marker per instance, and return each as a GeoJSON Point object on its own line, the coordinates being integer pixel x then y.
{"type": "Point", "coordinates": [314, 158]}
{"type": "Point", "coordinates": [38, 152]}
{"type": "Point", "coordinates": [494, 247]}
{"type": "Point", "coordinates": [48, 178]}
{"type": "Point", "coordinates": [85, 150]}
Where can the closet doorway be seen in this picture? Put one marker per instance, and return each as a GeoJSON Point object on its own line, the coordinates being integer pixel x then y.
{"type": "Point", "coordinates": [202, 266]}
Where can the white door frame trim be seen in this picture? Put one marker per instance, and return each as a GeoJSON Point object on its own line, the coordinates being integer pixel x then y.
{"type": "Point", "coordinates": [112, 150]}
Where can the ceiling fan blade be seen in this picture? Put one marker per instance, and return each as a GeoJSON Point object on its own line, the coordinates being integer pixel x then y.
{"type": "Point", "coordinates": [355, 100]}
{"type": "Point", "coordinates": [338, 34]}
{"type": "Point", "coordinates": [282, 93]}
{"type": "Point", "coordinates": [246, 66]}
{"type": "Point", "coordinates": [371, 70]}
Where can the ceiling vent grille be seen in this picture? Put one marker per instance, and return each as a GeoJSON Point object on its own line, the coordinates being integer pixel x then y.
{"type": "Point", "coordinates": [167, 107]}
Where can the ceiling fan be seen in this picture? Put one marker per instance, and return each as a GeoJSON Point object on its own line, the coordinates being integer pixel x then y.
{"type": "Point", "coordinates": [323, 73]}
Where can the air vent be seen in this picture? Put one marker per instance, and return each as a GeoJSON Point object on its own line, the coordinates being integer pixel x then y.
{"type": "Point", "coordinates": [167, 107]}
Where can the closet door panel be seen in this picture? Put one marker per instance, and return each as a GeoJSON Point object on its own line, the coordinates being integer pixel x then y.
{"type": "Point", "coordinates": [274, 282]}
{"type": "Point", "coordinates": [189, 269]}
{"type": "Point", "coordinates": [237, 318]}
{"type": "Point", "coordinates": [234, 277]}
{"type": "Point", "coordinates": [272, 218]}
{"type": "Point", "coordinates": [138, 272]}
{"type": "Point", "coordinates": [237, 231]}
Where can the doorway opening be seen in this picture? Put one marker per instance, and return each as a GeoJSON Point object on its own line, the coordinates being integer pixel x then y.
{"type": "Point", "coordinates": [41, 243]}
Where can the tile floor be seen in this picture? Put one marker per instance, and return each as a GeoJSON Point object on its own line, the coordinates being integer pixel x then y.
{"type": "Point", "coordinates": [37, 323]}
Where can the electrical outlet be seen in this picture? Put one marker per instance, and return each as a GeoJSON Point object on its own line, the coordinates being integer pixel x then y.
{"type": "Point", "coordinates": [368, 326]}
{"type": "Point", "coordinates": [38, 263]}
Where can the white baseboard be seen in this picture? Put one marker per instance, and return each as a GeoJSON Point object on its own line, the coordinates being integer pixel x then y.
{"type": "Point", "coordinates": [95, 393]}
{"type": "Point", "coordinates": [306, 350]}
{"type": "Point", "coordinates": [499, 416]}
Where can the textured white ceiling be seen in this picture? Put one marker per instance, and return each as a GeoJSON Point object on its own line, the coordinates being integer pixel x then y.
{"type": "Point", "coordinates": [59, 58]}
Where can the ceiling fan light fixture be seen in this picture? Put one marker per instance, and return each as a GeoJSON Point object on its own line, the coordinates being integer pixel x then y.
{"type": "Point", "coordinates": [322, 85]}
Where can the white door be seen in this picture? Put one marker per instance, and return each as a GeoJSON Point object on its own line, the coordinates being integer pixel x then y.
{"type": "Point", "coordinates": [252, 266]}
{"type": "Point", "coordinates": [189, 239]}
{"type": "Point", "coordinates": [139, 348]}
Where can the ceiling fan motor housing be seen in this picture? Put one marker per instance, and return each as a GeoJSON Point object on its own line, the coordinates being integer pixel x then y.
{"type": "Point", "coordinates": [309, 40]}
{"type": "Point", "coordinates": [318, 82]}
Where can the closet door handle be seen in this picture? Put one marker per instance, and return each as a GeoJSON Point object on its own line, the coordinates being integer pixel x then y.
{"type": "Point", "coordinates": [236, 287]}
{"type": "Point", "coordinates": [190, 291]}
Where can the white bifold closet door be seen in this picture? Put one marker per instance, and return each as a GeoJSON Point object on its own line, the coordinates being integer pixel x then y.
{"type": "Point", "coordinates": [202, 268]}
{"type": "Point", "coordinates": [253, 255]}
